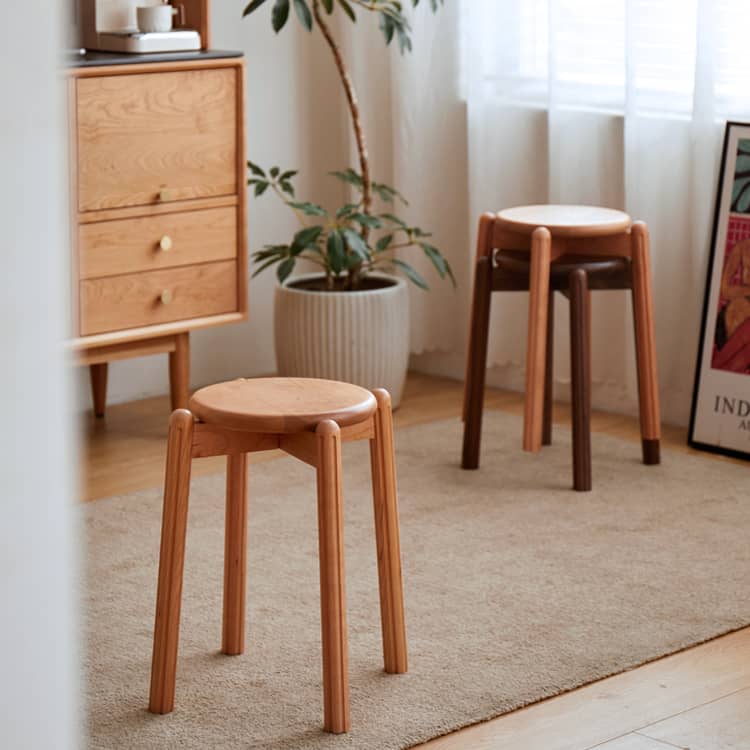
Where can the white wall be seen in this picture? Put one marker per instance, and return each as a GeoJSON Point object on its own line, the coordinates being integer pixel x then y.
{"type": "Point", "coordinates": [294, 119]}
{"type": "Point", "coordinates": [38, 653]}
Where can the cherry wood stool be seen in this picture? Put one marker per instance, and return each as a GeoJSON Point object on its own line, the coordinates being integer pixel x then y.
{"type": "Point", "coordinates": [309, 419]}
{"type": "Point", "coordinates": [570, 249]}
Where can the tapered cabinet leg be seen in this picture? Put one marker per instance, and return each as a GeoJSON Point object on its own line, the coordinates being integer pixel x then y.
{"type": "Point", "coordinates": [171, 562]}
{"type": "Point", "coordinates": [541, 248]}
{"type": "Point", "coordinates": [580, 354]}
{"type": "Point", "coordinates": [477, 364]}
{"type": "Point", "coordinates": [549, 372]}
{"type": "Point", "coordinates": [645, 344]}
{"type": "Point", "coordinates": [98, 376]}
{"type": "Point", "coordinates": [179, 372]}
{"type": "Point", "coordinates": [332, 591]}
{"type": "Point", "coordinates": [387, 537]}
{"type": "Point", "coordinates": [235, 556]}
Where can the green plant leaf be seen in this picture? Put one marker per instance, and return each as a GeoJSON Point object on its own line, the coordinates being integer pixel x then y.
{"type": "Point", "coordinates": [309, 209]}
{"type": "Point", "coordinates": [395, 220]}
{"type": "Point", "coordinates": [336, 252]}
{"type": "Point", "coordinates": [356, 244]}
{"type": "Point", "coordinates": [387, 193]}
{"type": "Point", "coordinates": [250, 7]}
{"type": "Point", "coordinates": [346, 211]}
{"type": "Point", "coordinates": [349, 176]}
{"type": "Point", "coordinates": [411, 273]}
{"type": "Point", "coordinates": [284, 269]}
{"type": "Point", "coordinates": [441, 264]}
{"type": "Point", "coordinates": [280, 15]}
{"type": "Point", "coordinates": [274, 172]}
{"type": "Point", "coordinates": [304, 238]}
{"type": "Point", "coordinates": [328, 5]}
{"type": "Point", "coordinates": [347, 9]}
{"type": "Point", "coordinates": [303, 13]}
{"type": "Point", "coordinates": [287, 187]}
{"type": "Point", "coordinates": [367, 221]}
{"type": "Point", "coordinates": [383, 243]}
{"type": "Point", "coordinates": [261, 188]}
{"type": "Point", "coordinates": [269, 262]}
{"type": "Point", "coordinates": [288, 175]}
{"type": "Point", "coordinates": [387, 27]}
{"type": "Point", "coordinates": [255, 169]}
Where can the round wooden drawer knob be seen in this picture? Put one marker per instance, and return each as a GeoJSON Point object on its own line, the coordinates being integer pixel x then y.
{"type": "Point", "coordinates": [165, 243]}
{"type": "Point", "coordinates": [166, 297]}
{"type": "Point", "coordinates": [165, 194]}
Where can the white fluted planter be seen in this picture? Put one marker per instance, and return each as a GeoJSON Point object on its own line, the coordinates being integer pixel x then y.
{"type": "Point", "coordinates": [358, 337]}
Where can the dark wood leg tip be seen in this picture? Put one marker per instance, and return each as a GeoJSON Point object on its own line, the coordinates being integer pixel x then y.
{"type": "Point", "coordinates": [651, 452]}
{"type": "Point", "coordinates": [582, 486]}
{"type": "Point", "coordinates": [99, 414]}
{"type": "Point", "coordinates": [470, 463]}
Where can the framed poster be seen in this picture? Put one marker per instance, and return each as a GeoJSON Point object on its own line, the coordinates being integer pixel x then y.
{"type": "Point", "coordinates": [720, 416]}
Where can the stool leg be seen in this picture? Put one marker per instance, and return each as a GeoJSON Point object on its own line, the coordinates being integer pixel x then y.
{"type": "Point", "coordinates": [235, 556]}
{"type": "Point", "coordinates": [645, 344]}
{"type": "Point", "coordinates": [385, 499]}
{"type": "Point", "coordinates": [171, 562]}
{"type": "Point", "coordinates": [332, 592]}
{"type": "Point", "coordinates": [580, 354]}
{"type": "Point", "coordinates": [549, 372]}
{"type": "Point", "coordinates": [541, 248]}
{"type": "Point", "coordinates": [477, 363]}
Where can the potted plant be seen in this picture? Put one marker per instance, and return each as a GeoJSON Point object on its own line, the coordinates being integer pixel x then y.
{"type": "Point", "coordinates": [350, 320]}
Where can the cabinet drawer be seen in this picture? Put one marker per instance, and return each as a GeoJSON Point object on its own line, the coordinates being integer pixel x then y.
{"type": "Point", "coordinates": [153, 137]}
{"type": "Point", "coordinates": [143, 299]}
{"type": "Point", "coordinates": [111, 248]}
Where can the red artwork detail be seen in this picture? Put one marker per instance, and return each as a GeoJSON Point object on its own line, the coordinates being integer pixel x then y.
{"type": "Point", "coordinates": [731, 350]}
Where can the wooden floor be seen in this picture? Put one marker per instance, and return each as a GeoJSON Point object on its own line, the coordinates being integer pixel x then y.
{"type": "Point", "coordinates": [698, 699]}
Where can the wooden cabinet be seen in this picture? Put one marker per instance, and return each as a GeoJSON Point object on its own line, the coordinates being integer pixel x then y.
{"type": "Point", "coordinates": [158, 191]}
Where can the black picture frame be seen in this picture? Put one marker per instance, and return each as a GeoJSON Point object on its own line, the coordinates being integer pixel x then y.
{"type": "Point", "coordinates": [721, 396]}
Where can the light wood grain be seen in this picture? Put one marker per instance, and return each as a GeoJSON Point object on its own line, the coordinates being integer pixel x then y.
{"type": "Point", "coordinates": [387, 537]}
{"type": "Point", "coordinates": [198, 17]}
{"type": "Point", "coordinates": [155, 209]}
{"type": "Point", "coordinates": [617, 706]}
{"type": "Point", "coordinates": [179, 371]}
{"type": "Point", "coordinates": [634, 741]}
{"type": "Point", "coordinates": [282, 405]}
{"type": "Point", "coordinates": [156, 138]}
{"type": "Point", "coordinates": [104, 354]}
{"type": "Point", "coordinates": [143, 333]}
{"type": "Point", "coordinates": [111, 248]}
{"type": "Point", "coordinates": [564, 221]}
{"type": "Point", "coordinates": [98, 375]}
{"type": "Point", "coordinates": [235, 556]}
{"type": "Point", "coordinates": [723, 724]}
{"type": "Point", "coordinates": [171, 563]}
{"type": "Point", "coordinates": [537, 338]}
{"type": "Point", "coordinates": [645, 344]}
{"type": "Point", "coordinates": [132, 300]}
{"type": "Point", "coordinates": [332, 591]}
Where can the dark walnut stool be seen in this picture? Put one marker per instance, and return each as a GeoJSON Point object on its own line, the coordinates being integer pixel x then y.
{"type": "Point", "coordinates": [309, 419]}
{"type": "Point", "coordinates": [571, 249]}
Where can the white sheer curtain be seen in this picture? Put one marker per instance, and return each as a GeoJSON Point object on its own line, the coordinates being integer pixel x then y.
{"type": "Point", "coordinates": [612, 102]}
{"type": "Point", "coordinates": [617, 103]}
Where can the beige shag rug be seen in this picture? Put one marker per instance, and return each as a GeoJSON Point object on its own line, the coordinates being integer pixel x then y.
{"type": "Point", "coordinates": [517, 589]}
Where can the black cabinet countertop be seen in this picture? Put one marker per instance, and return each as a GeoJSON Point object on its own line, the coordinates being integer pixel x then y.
{"type": "Point", "coordinates": [94, 59]}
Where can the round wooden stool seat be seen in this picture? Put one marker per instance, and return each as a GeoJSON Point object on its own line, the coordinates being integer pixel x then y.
{"type": "Point", "coordinates": [282, 405]}
{"type": "Point", "coordinates": [565, 221]}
